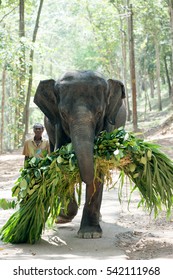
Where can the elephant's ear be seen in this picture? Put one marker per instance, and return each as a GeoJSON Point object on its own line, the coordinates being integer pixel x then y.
{"type": "Point", "coordinates": [116, 92]}
{"type": "Point", "coordinates": [46, 99]}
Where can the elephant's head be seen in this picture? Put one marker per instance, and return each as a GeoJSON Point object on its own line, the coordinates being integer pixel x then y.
{"type": "Point", "coordinates": [80, 104]}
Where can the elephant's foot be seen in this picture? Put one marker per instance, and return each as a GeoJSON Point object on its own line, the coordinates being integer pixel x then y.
{"type": "Point", "coordinates": [90, 227]}
{"type": "Point", "coordinates": [63, 220]}
{"type": "Point", "coordinates": [90, 232]}
{"type": "Point", "coordinates": [72, 210]}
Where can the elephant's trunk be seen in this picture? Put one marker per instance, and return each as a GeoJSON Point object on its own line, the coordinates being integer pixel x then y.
{"type": "Point", "coordinates": [82, 137]}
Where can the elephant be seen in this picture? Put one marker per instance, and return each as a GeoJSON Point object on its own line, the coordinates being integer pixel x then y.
{"type": "Point", "coordinates": [77, 107]}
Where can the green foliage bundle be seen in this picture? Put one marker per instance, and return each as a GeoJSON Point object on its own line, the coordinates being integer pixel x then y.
{"type": "Point", "coordinates": [43, 189]}
{"type": "Point", "coordinates": [45, 185]}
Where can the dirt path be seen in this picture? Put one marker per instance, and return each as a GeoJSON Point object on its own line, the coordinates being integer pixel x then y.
{"type": "Point", "coordinates": [127, 234]}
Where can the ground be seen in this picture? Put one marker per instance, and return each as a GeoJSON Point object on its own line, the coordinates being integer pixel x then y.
{"type": "Point", "coordinates": [127, 233]}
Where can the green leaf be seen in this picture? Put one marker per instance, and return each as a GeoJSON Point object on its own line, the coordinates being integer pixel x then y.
{"type": "Point", "coordinates": [30, 191]}
{"type": "Point", "coordinates": [15, 191]}
{"type": "Point", "coordinates": [60, 159]}
{"type": "Point", "coordinates": [6, 204]}
{"type": "Point", "coordinates": [116, 152]}
{"type": "Point", "coordinates": [69, 147]}
{"type": "Point", "coordinates": [149, 154]}
{"type": "Point", "coordinates": [71, 164]}
{"type": "Point", "coordinates": [37, 173]}
{"type": "Point", "coordinates": [143, 160]}
{"type": "Point", "coordinates": [23, 184]}
{"type": "Point", "coordinates": [132, 167]}
{"type": "Point", "coordinates": [23, 193]}
{"type": "Point", "coordinates": [136, 175]}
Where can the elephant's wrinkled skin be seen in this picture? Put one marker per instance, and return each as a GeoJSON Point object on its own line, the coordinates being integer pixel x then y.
{"type": "Point", "coordinates": [77, 107]}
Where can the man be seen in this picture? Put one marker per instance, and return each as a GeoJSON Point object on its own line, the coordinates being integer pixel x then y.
{"type": "Point", "coordinates": [36, 146]}
{"type": "Point", "coordinates": [39, 147]}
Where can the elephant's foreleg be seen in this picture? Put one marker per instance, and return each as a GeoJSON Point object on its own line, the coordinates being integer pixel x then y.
{"type": "Point", "coordinates": [90, 227]}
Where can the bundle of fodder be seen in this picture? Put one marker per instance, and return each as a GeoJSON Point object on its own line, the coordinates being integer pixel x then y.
{"type": "Point", "coordinates": [45, 185]}
{"type": "Point", "coordinates": [42, 188]}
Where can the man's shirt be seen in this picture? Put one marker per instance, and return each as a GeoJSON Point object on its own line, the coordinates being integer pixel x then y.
{"type": "Point", "coordinates": [31, 149]}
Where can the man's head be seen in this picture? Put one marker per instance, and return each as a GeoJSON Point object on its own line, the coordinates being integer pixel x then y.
{"type": "Point", "coordinates": [38, 130]}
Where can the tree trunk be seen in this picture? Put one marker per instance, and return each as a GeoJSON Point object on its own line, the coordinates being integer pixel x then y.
{"type": "Point", "coordinates": [151, 86]}
{"type": "Point", "coordinates": [22, 18]}
{"type": "Point", "coordinates": [167, 76]}
{"type": "Point", "coordinates": [147, 103]}
{"type": "Point", "coordinates": [171, 26]}
{"type": "Point", "coordinates": [158, 74]}
{"type": "Point", "coordinates": [26, 111]}
{"type": "Point", "coordinates": [132, 68]}
{"type": "Point", "coordinates": [22, 71]}
{"type": "Point", "coordinates": [124, 65]}
{"type": "Point", "coordinates": [16, 114]}
{"type": "Point", "coordinates": [2, 109]}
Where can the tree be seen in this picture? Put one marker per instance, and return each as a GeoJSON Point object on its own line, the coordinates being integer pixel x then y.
{"type": "Point", "coordinates": [132, 68]}
{"type": "Point", "coordinates": [31, 58]}
{"type": "Point", "coordinates": [22, 73]}
{"type": "Point", "coordinates": [157, 50]}
{"type": "Point", "coordinates": [171, 27]}
{"type": "Point", "coordinates": [2, 109]}
{"type": "Point", "coordinates": [153, 38]}
{"type": "Point", "coordinates": [81, 34]}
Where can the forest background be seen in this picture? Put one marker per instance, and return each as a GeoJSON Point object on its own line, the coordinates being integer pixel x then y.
{"type": "Point", "coordinates": [129, 40]}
